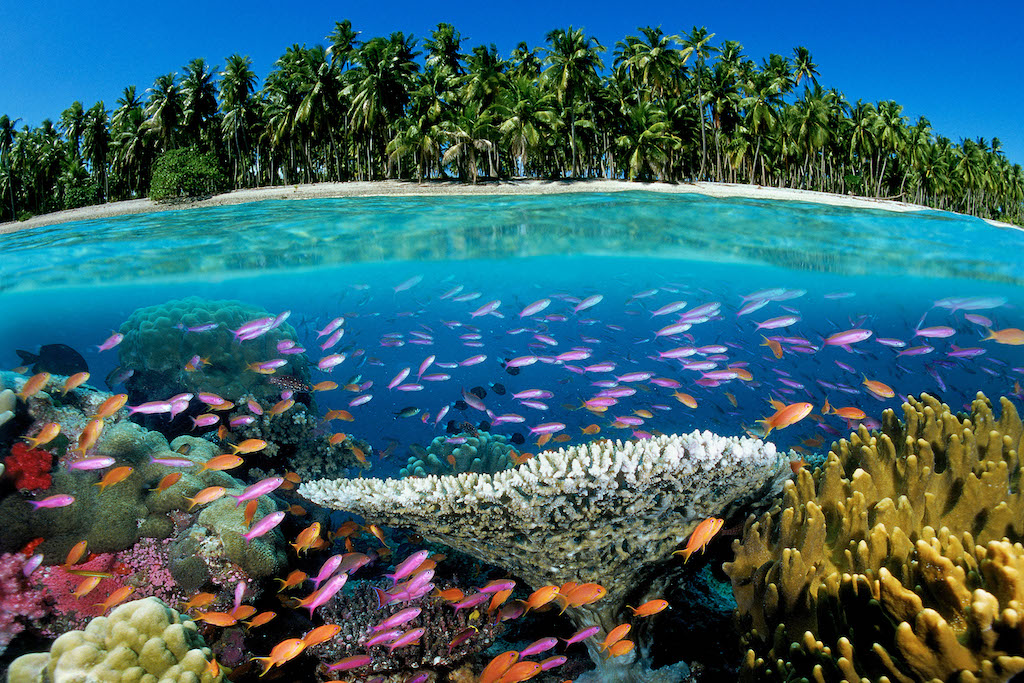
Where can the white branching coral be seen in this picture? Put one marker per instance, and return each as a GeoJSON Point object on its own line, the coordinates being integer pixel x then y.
{"type": "Point", "coordinates": [600, 512]}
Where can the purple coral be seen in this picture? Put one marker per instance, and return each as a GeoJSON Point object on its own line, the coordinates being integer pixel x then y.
{"type": "Point", "coordinates": [20, 602]}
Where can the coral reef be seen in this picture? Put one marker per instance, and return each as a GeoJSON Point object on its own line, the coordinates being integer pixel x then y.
{"type": "Point", "coordinates": [29, 467]}
{"type": "Point", "coordinates": [894, 560]}
{"type": "Point", "coordinates": [8, 402]}
{"type": "Point", "coordinates": [143, 640]}
{"type": "Point", "coordinates": [481, 452]}
{"type": "Point", "coordinates": [20, 602]}
{"type": "Point", "coordinates": [609, 512]}
{"type": "Point", "coordinates": [158, 345]}
{"type": "Point", "coordinates": [357, 612]}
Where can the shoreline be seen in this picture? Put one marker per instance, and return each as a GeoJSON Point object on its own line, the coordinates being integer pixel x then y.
{"type": "Point", "coordinates": [402, 188]}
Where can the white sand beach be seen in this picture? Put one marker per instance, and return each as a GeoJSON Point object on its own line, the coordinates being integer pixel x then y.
{"type": "Point", "coordinates": [396, 188]}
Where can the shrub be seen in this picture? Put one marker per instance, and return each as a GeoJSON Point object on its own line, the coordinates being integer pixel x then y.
{"type": "Point", "coordinates": [186, 173]}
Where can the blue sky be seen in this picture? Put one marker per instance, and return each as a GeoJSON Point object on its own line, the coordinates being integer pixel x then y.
{"type": "Point", "coordinates": [958, 63]}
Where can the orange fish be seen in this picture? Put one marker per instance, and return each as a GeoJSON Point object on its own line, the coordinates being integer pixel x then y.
{"type": "Point", "coordinates": [114, 476]}
{"type": "Point", "coordinates": [742, 373]}
{"type": "Point", "coordinates": [520, 671]}
{"type": "Point", "coordinates": [87, 439]}
{"type": "Point", "coordinates": [222, 433]}
{"type": "Point", "coordinates": [376, 531]}
{"type": "Point", "coordinates": [306, 538]}
{"type": "Point", "coordinates": [326, 385]}
{"type": "Point", "coordinates": [207, 495]}
{"type": "Point", "coordinates": [519, 458]}
{"type": "Point", "coordinates": [283, 652]}
{"type": "Point", "coordinates": [74, 381]}
{"type": "Point", "coordinates": [775, 346]}
{"type": "Point", "coordinates": [826, 408]}
{"type": "Point", "coordinates": [543, 439]}
{"type": "Point", "coordinates": [260, 619]}
{"type": "Point", "coordinates": [650, 607]}
{"type": "Point", "coordinates": [212, 668]}
{"type": "Point", "coordinates": [337, 438]}
{"type": "Point", "coordinates": [33, 385]}
{"type": "Point", "coordinates": [242, 612]}
{"type": "Point", "coordinates": [614, 636]}
{"type": "Point", "coordinates": [116, 598]}
{"type": "Point", "coordinates": [167, 482]}
{"type": "Point", "coordinates": [197, 601]}
{"type": "Point", "coordinates": [561, 438]}
{"type": "Point", "coordinates": [450, 595]}
{"type": "Point", "coordinates": [590, 429]}
{"type": "Point", "coordinates": [295, 578]}
{"type": "Point", "coordinates": [360, 456]}
{"type": "Point", "coordinates": [220, 463]}
{"type": "Point", "coordinates": [497, 667]}
{"type": "Point", "coordinates": [220, 407]}
{"type": "Point", "coordinates": [541, 597]}
{"type": "Point", "coordinates": [703, 533]}
{"type": "Point", "coordinates": [86, 586]}
{"type": "Point", "coordinates": [47, 434]}
{"type": "Point", "coordinates": [646, 414]}
{"type": "Point", "coordinates": [685, 399]}
{"type": "Point", "coordinates": [281, 406]}
{"type": "Point", "coordinates": [620, 648]}
{"type": "Point", "coordinates": [250, 511]}
{"type": "Point", "coordinates": [879, 389]}
{"type": "Point", "coordinates": [795, 465]}
{"type": "Point", "coordinates": [338, 415]}
{"type": "Point", "coordinates": [583, 594]}
{"type": "Point", "coordinates": [346, 529]}
{"type": "Point", "coordinates": [786, 416]}
{"type": "Point", "coordinates": [293, 477]}
{"type": "Point", "coordinates": [849, 413]}
{"type": "Point", "coordinates": [296, 510]}
{"type": "Point", "coordinates": [351, 387]}
{"type": "Point", "coordinates": [248, 446]}
{"type": "Point", "coordinates": [221, 619]}
{"type": "Point", "coordinates": [1011, 336]}
{"type": "Point", "coordinates": [321, 634]}
{"type": "Point", "coordinates": [111, 406]}
{"type": "Point", "coordinates": [498, 600]}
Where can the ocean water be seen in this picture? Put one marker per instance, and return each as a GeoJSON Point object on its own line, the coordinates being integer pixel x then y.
{"type": "Point", "coordinates": [439, 285]}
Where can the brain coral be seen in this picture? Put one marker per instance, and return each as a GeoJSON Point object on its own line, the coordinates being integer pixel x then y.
{"type": "Point", "coordinates": [483, 452]}
{"type": "Point", "coordinates": [143, 641]}
{"type": "Point", "coordinates": [896, 560]}
{"type": "Point", "coordinates": [607, 511]}
{"type": "Point", "coordinates": [157, 346]}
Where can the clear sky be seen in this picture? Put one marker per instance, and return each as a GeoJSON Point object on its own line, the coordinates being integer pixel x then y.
{"type": "Point", "coordinates": [957, 63]}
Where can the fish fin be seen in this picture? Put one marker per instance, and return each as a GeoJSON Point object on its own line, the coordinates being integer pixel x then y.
{"type": "Point", "coordinates": [27, 357]}
{"type": "Point", "coordinates": [383, 597]}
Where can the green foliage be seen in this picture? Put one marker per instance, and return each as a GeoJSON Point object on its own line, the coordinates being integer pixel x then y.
{"type": "Point", "coordinates": [186, 173]}
{"type": "Point", "coordinates": [81, 194]}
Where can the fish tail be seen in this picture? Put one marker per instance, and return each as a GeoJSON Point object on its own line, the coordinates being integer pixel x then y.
{"type": "Point", "coordinates": [383, 598]}
{"type": "Point", "coordinates": [32, 442]}
{"type": "Point", "coordinates": [991, 334]}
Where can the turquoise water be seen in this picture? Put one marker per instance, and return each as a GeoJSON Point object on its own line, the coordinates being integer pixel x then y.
{"type": "Point", "coordinates": [439, 286]}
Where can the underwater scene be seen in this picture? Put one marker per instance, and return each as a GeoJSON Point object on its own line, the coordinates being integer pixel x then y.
{"type": "Point", "coordinates": [595, 437]}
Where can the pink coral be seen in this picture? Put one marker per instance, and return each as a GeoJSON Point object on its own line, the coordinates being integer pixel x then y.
{"type": "Point", "coordinates": [20, 603]}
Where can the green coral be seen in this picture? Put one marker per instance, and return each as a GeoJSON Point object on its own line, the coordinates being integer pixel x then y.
{"type": "Point", "coordinates": [157, 348]}
{"type": "Point", "coordinates": [143, 641]}
{"type": "Point", "coordinates": [896, 560]}
{"type": "Point", "coordinates": [481, 452]}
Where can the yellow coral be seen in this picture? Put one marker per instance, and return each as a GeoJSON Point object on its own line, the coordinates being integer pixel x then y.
{"type": "Point", "coordinates": [894, 559]}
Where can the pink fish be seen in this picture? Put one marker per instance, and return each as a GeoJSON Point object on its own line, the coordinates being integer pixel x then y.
{"type": "Point", "coordinates": [408, 566]}
{"type": "Point", "coordinates": [264, 525]}
{"type": "Point", "coordinates": [957, 352]}
{"type": "Point", "coordinates": [241, 421]}
{"type": "Point", "coordinates": [552, 662]}
{"type": "Point", "coordinates": [521, 361]}
{"type": "Point", "coordinates": [669, 308]}
{"type": "Point", "coordinates": [408, 639]}
{"type": "Point", "coordinates": [547, 428]}
{"type": "Point", "coordinates": [674, 328]}
{"type": "Point", "coordinates": [678, 352]}
{"type": "Point", "coordinates": [916, 351]}
{"type": "Point", "coordinates": [451, 292]}
{"type": "Point", "coordinates": [327, 569]}
{"type": "Point", "coordinates": [507, 417]}
{"type": "Point", "coordinates": [360, 400]}
{"type": "Point", "coordinates": [399, 378]}
{"type": "Point", "coordinates": [721, 375]}
{"type": "Point", "coordinates": [467, 297]}
{"type": "Point", "coordinates": [532, 393]}
{"type": "Point", "coordinates": [349, 663]}
{"type": "Point", "coordinates": [581, 635]}
{"type": "Point", "coordinates": [537, 405]}
{"type": "Point", "coordinates": [847, 337]}
{"type": "Point", "coordinates": [600, 367]}
{"type": "Point", "coordinates": [171, 462]}
{"type": "Point", "coordinates": [939, 332]}
{"type": "Point", "coordinates": [473, 401]}
{"type": "Point", "coordinates": [427, 362]}
{"type": "Point", "coordinates": [538, 646]}
{"type": "Point", "coordinates": [472, 601]}
{"type": "Point", "coordinates": [327, 363]}
{"type": "Point", "coordinates": [253, 329]}
{"type": "Point", "coordinates": [398, 618]}
{"type": "Point", "coordinates": [211, 399]}
{"type": "Point", "coordinates": [489, 307]}
{"type": "Point", "coordinates": [409, 387]}
{"type": "Point", "coordinates": [970, 303]}
{"type": "Point", "coordinates": [323, 595]}
{"type": "Point", "coordinates": [665, 382]}
{"type": "Point", "coordinates": [260, 488]}
{"type": "Point", "coordinates": [894, 343]}
{"type": "Point", "coordinates": [752, 306]}
{"type": "Point", "coordinates": [385, 637]}
{"type": "Point", "coordinates": [333, 339]}
{"type": "Point", "coordinates": [97, 463]}
{"type": "Point", "coordinates": [56, 501]}
{"type": "Point", "coordinates": [473, 360]}
{"type": "Point", "coordinates": [330, 327]}
{"type": "Point", "coordinates": [31, 564]}
{"type": "Point", "coordinates": [204, 421]}
{"type": "Point", "coordinates": [978, 319]}
{"type": "Point", "coordinates": [589, 302]}
{"type": "Point", "coordinates": [112, 341]}
{"type": "Point", "coordinates": [579, 354]}
{"type": "Point", "coordinates": [535, 307]}
{"type": "Point", "coordinates": [776, 323]}
{"type": "Point", "coordinates": [408, 284]}
{"type": "Point", "coordinates": [441, 413]}
{"type": "Point", "coordinates": [635, 377]}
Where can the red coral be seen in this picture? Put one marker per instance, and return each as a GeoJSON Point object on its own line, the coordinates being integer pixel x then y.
{"type": "Point", "coordinates": [30, 467]}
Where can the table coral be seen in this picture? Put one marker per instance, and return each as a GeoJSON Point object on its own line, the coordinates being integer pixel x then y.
{"type": "Point", "coordinates": [29, 467]}
{"type": "Point", "coordinates": [143, 640]}
{"type": "Point", "coordinates": [20, 602]}
{"type": "Point", "coordinates": [898, 558]}
{"type": "Point", "coordinates": [610, 512]}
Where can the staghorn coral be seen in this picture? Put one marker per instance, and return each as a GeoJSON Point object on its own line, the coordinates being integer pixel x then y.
{"type": "Point", "coordinates": [157, 347]}
{"type": "Point", "coordinates": [143, 640]}
{"type": "Point", "coordinates": [895, 559]}
{"type": "Point", "coordinates": [481, 452]}
{"type": "Point", "coordinates": [610, 512]}
{"type": "Point", "coordinates": [356, 610]}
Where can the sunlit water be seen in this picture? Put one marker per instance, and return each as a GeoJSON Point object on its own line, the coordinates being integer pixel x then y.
{"type": "Point", "coordinates": [832, 268]}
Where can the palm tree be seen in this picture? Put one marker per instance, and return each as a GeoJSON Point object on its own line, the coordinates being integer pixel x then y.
{"type": "Point", "coordinates": [651, 62]}
{"type": "Point", "coordinates": [6, 144]}
{"type": "Point", "coordinates": [804, 67]}
{"type": "Point", "coordinates": [343, 43]}
{"type": "Point", "coordinates": [573, 63]}
{"type": "Point", "coordinates": [697, 44]}
{"type": "Point", "coordinates": [165, 110]}
{"type": "Point", "coordinates": [443, 47]}
{"type": "Point", "coordinates": [890, 132]}
{"type": "Point", "coordinates": [238, 83]}
{"type": "Point", "coordinates": [470, 132]}
{"type": "Point", "coordinates": [646, 141]}
{"type": "Point", "coordinates": [72, 124]}
{"type": "Point", "coordinates": [199, 102]}
{"type": "Point", "coordinates": [96, 144]}
{"type": "Point", "coordinates": [761, 103]}
{"type": "Point", "coordinates": [528, 115]}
